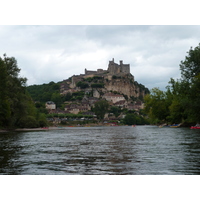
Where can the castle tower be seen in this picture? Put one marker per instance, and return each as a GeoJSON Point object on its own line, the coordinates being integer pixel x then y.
{"type": "Point", "coordinates": [114, 68]}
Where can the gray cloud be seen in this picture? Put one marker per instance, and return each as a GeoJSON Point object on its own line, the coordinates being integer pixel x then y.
{"type": "Point", "coordinates": [54, 53]}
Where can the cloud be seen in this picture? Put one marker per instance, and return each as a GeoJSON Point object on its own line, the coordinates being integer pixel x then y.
{"type": "Point", "coordinates": [54, 53]}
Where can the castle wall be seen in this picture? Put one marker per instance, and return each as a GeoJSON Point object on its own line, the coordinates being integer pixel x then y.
{"type": "Point", "coordinates": [114, 68]}
{"type": "Point", "coordinates": [99, 71]}
{"type": "Point", "coordinates": [125, 68]}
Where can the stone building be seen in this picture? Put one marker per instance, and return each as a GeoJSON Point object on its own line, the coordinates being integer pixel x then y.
{"type": "Point", "coordinates": [113, 97]}
{"type": "Point", "coordinates": [50, 105]}
{"type": "Point", "coordinates": [114, 68]}
{"type": "Point", "coordinates": [99, 71]}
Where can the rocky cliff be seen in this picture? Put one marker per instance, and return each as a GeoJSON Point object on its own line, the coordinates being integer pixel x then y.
{"type": "Point", "coordinates": [117, 79]}
{"type": "Point", "coordinates": [99, 85]}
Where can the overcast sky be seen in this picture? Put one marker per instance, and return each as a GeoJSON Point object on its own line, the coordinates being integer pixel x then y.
{"type": "Point", "coordinates": [55, 53]}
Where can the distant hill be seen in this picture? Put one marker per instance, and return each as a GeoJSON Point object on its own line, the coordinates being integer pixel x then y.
{"type": "Point", "coordinates": [117, 79]}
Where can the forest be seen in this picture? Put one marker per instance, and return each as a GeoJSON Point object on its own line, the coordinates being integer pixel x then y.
{"type": "Point", "coordinates": [180, 103]}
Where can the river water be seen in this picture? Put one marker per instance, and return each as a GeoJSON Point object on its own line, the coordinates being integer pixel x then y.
{"type": "Point", "coordinates": [101, 150]}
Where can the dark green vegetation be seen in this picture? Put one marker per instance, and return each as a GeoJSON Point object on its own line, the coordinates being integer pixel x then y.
{"type": "Point", "coordinates": [101, 108]}
{"type": "Point", "coordinates": [45, 92]}
{"type": "Point", "coordinates": [132, 119]}
{"type": "Point", "coordinates": [16, 106]}
{"type": "Point", "coordinates": [51, 92]}
{"type": "Point", "coordinates": [181, 102]}
{"type": "Point", "coordinates": [93, 82]}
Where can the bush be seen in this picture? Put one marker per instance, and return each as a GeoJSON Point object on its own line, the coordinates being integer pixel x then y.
{"type": "Point", "coordinates": [82, 85]}
{"type": "Point", "coordinates": [131, 119]}
{"type": "Point", "coordinates": [28, 122]}
{"type": "Point", "coordinates": [97, 85]}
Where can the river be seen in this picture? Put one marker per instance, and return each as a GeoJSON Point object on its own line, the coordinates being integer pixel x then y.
{"type": "Point", "coordinates": [120, 150]}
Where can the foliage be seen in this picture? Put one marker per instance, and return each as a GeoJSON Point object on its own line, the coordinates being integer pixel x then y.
{"type": "Point", "coordinates": [82, 85]}
{"type": "Point", "coordinates": [97, 85]}
{"type": "Point", "coordinates": [5, 111]}
{"type": "Point", "coordinates": [115, 110]}
{"type": "Point", "coordinates": [46, 92]}
{"type": "Point", "coordinates": [51, 92]}
{"type": "Point", "coordinates": [156, 105]}
{"type": "Point", "coordinates": [180, 103]}
{"type": "Point", "coordinates": [134, 119]}
{"type": "Point", "coordinates": [190, 67]}
{"type": "Point", "coordinates": [93, 79]}
{"type": "Point", "coordinates": [101, 108]}
{"type": "Point", "coordinates": [141, 87]}
{"type": "Point", "coordinates": [28, 122]}
{"type": "Point", "coordinates": [16, 106]}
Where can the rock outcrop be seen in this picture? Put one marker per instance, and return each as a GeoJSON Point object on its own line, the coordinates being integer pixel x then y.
{"type": "Point", "coordinates": [117, 78]}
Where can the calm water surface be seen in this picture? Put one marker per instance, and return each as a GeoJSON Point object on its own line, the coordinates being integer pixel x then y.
{"type": "Point", "coordinates": [101, 150]}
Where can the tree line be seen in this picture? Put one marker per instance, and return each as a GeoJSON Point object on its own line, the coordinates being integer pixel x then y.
{"type": "Point", "coordinates": [16, 106]}
{"type": "Point", "coordinates": [180, 103]}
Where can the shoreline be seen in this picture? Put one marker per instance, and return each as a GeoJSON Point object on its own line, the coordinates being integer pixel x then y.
{"type": "Point", "coordinates": [57, 128]}
{"type": "Point", "coordinates": [43, 129]}
{"type": "Point", "coordinates": [28, 129]}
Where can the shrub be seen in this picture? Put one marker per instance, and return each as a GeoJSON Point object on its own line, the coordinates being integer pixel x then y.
{"type": "Point", "coordinates": [28, 122]}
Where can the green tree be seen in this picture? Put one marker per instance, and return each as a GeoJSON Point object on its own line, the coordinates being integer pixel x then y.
{"type": "Point", "coordinates": [97, 85]}
{"type": "Point", "coordinates": [57, 99]}
{"type": "Point", "coordinates": [16, 105]}
{"type": "Point", "coordinates": [134, 119]}
{"type": "Point", "coordinates": [190, 67]}
{"type": "Point", "coordinates": [115, 110]}
{"type": "Point", "coordinates": [4, 103]}
{"type": "Point", "coordinates": [187, 89]}
{"type": "Point", "coordinates": [190, 71]}
{"type": "Point", "coordinates": [82, 85]}
{"type": "Point", "coordinates": [156, 105]}
{"type": "Point", "coordinates": [176, 96]}
{"type": "Point", "coordinates": [101, 108]}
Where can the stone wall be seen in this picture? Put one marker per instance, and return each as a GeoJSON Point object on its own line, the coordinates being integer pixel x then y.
{"type": "Point", "coordinates": [99, 71]}
{"type": "Point", "coordinates": [114, 68]}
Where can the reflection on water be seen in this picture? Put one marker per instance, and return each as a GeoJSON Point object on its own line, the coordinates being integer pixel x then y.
{"type": "Point", "coordinates": [102, 150]}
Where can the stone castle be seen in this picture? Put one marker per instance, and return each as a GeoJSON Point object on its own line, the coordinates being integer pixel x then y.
{"type": "Point", "coordinates": [113, 69]}
{"type": "Point", "coordinates": [116, 78]}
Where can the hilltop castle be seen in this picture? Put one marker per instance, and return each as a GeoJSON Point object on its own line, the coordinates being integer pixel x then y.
{"type": "Point", "coordinates": [113, 68]}
{"type": "Point", "coordinates": [116, 78]}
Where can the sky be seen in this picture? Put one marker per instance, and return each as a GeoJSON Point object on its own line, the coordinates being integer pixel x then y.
{"type": "Point", "coordinates": [56, 52]}
{"type": "Point", "coordinates": [53, 40]}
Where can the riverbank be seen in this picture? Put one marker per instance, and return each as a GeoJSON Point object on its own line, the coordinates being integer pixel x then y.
{"type": "Point", "coordinates": [29, 129]}
{"type": "Point", "coordinates": [54, 127]}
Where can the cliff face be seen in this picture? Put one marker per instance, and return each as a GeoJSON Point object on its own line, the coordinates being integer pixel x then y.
{"type": "Point", "coordinates": [116, 79]}
{"type": "Point", "coordinates": [122, 87]}
{"type": "Point", "coordinates": [125, 85]}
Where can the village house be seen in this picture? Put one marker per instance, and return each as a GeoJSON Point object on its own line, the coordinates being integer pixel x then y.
{"type": "Point", "coordinates": [92, 101]}
{"type": "Point", "coordinates": [113, 97]}
{"type": "Point", "coordinates": [58, 111]}
{"type": "Point", "coordinates": [130, 106]}
{"type": "Point", "coordinates": [76, 108]}
{"type": "Point", "coordinates": [50, 105]}
{"type": "Point", "coordinates": [121, 104]}
{"type": "Point", "coordinates": [138, 105]}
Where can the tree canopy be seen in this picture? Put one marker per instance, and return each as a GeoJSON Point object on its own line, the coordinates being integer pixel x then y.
{"type": "Point", "coordinates": [16, 106]}
{"type": "Point", "coordinates": [101, 108]}
{"type": "Point", "coordinates": [180, 103]}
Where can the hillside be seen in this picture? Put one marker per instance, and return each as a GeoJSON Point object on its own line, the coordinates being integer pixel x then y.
{"type": "Point", "coordinates": [117, 80]}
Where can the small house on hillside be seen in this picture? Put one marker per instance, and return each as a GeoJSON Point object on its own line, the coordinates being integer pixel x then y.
{"type": "Point", "coordinates": [50, 105]}
{"type": "Point", "coordinates": [113, 97]}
